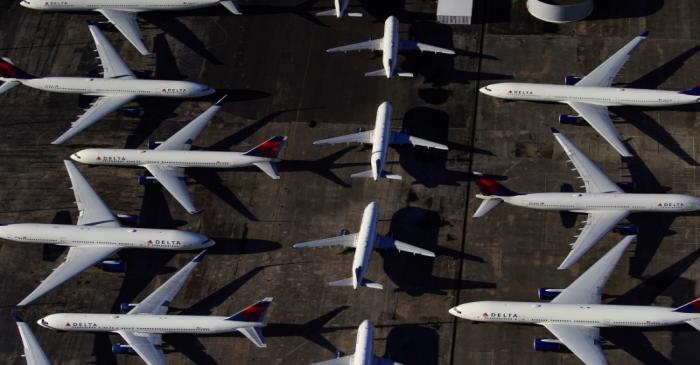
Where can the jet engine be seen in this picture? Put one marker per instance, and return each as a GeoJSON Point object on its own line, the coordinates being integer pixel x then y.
{"type": "Point", "coordinates": [546, 344]}
{"type": "Point", "coordinates": [571, 80]}
{"type": "Point", "coordinates": [153, 144]}
{"type": "Point", "coordinates": [147, 180]}
{"type": "Point", "coordinates": [132, 112]}
{"type": "Point", "coordinates": [126, 307]}
{"type": "Point", "coordinates": [112, 265]}
{"type": "Point", "coordinates": [118, 348]}
{"type": "Point", "coordinates": [547, 293]}
{"type": "Point", "coordinates": [626, 229]}
{"type": "Point", "coordinates": [569, 119]}
{"type": "Point", "coordinates": [128, 219]}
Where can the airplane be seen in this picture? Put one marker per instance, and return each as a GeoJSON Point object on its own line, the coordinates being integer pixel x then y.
{"type": "Point", "coordinates": [143, 324]}
{"type": "Point", "coordinates": [575, 314]}
{"type": "Point", "coordinates": [590, 96]}
{"type": "Point", "coordinates": [340, 10]}
{"type": "Point", "coordinates": [33, 352]}
{"type": "Point", "coordinates": [364, 350]}
{"type": "Point", "coordinates": [167, 161]}
{"type": "Point", "coordinates": [390, 45]}
{"type": "Point", "coordinates": [98, 235]}
{"type": "Point", "coordinates": [363, 242]}
{"type": "Point", "coordinates": [605, 201]}
{"type": "Point", "coordinates": [123, 14]}
{"type": "Point", "coordinates": [118, 86]}
{"type": "Point", "coordinates": [380, 138]}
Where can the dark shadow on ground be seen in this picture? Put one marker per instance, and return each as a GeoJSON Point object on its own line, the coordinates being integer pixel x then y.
{"type": "Point", "coordinates": [623, 9]}
{"type": "Point", "coordinates": [211, 180]}
{"type": "Point", "coordinates": [413, 345]}
{"type": "Point", "coordinates": [323, 166]}
{"type": "Point", "coordinates": [382, 10]}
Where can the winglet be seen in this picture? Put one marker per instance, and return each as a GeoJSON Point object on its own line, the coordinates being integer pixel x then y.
{"type": "Point", "coordinates": [554, 130]}
{"type": "Point", "coordinates": [221, 101]}
{"type": "Point", "coordinates": [644, 34]}
{"type": "Point", "coordinates": [199, 257]}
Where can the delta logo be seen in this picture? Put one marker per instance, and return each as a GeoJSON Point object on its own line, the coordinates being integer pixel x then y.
{"type": "Point", "coordinates": [81, 324]}
{"type": "Point", "coordinates": [164, 243]}
{"type": "Point", "coordinates": [493, 315]}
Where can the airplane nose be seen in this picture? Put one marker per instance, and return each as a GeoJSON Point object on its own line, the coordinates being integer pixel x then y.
{"type": "Point", "coordinates": [75, 157]}
{"type": "Point", "coordinates": [455, 312]}
{"type": "Point", "coordinates": [43, 323]}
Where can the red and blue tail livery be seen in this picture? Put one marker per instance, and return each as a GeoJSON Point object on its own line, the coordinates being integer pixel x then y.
{"type": "Point", "coordinates": [10, 71]}
{"type": "Point", "coordinates": [270, 148]}
{"type": "Point", "coordinates": [490, 187]}
{"type": "Point", "coordinates": [254, 313]}
{"type": "Point", "coordinates": [694, 91]}
{"type": "Point", "coordinates": [692, 307]}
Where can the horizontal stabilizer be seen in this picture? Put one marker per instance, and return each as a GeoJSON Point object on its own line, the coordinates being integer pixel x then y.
{"type": "Point", "coordinates": [330, 12]}
{"type": "Point", "coordinates": [365, 283]}
{"type": "Point", "coordinates": [695, 323]}
{"type": "Point", "coordinates": [254, 334]}
{"type": "Point", "coordinates": [371, 284]}
{"type": "Point", "coordinates": [231, 6]}
{"type": "Point", "coordinates": [9, 85]}
{"type": "Point", "coordinates": [341, 282]}
{"type": "Point", "coordinates": [368, 175]}
{"type": "Point", "coordinates": [486, 206]}
{"type": "Point", "coordinates": [269, 168]}
{"type": "Point", "coordinates": [381, 72]}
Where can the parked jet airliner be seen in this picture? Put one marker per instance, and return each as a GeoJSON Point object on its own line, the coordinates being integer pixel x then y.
{"type": "Point", "coordinates": [591, 95]}
{"type": "Point", "coordinates": [98, 235]}
{"type": "Point", "coordinates": [380, 138]}
{"type": "Point", "coordinates": [390, 46]}
{"type": "Point", "coordinates": [122, 14]}
{"type": "Point", "coordinates": [364, 350]}
{"type": "Point", "coordinates": [604, 201]}
{"type": "Point", "coordinates": [168, 160]}
{"type": "Point", "coordinates": [33, 352]}
{"type": "Point", "coordinates": [576, 314]}
{"type": "Point", "coordinates": [144, 324]}
{"type": "Point", "coordinates": [118, 86]}
{"type": "Point", "coordinates": [340, 10]}
{"type": "Point", "coordinates": [364, 242]}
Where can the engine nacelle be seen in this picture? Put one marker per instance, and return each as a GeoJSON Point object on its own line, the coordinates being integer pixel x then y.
{"type": "Point", "coordinates": [627, 186]}
{"type": "Point", "coordinates": [128, 219]}
{"type": "Point", "coordinates": [118, 348]}
{"type": "Point", "coordinates": [344, 232]}
{"type": "Point", "coordinates": [132, 112]}
{"type": "Point", "coordinates": [626, 229]}
{"type": "Point", "coordinates": [147, 180]}
{"type": "Point", "coordinates": [548, 293]}
{"type": "Point", "coordinates": [153, 144]}
{"type": "Point", "coordinates": [571, 80]}
{"type": "Point", "coordinates": [569, 119]}
{"type": "Point", "coordinates": [126, 307]}
{"type": "Point", "coordinates": [112, 265]}
{"type": "Point", "coordinates": [546, 344]}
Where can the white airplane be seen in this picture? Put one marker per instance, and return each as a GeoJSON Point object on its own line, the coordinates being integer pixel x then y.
{"type": "Point", "coordinates": [98, 235]}
{"type": "Point", "coordinates": [340, 10]}
{"type": "Point", "coordinates": [117, 87]}
{"type": "Point", "coordinates": [576, 314]}
{"type": "Point", "coordinates": [364, 242]}
{"type": "Point", "coordinates": [380, 138]}
{"type": "Point", "coordinates": [604, 201]}
{"type": "Point", "coordinates": [364, 350]}
{"type": "Point", "coordinates": [123, 14]}
{"type": "Point", "coordinates": [144, 324]}
{"type": "Point", "coordinates": [390, 45]}
{"type": "Point", "coordinates": [33, 352]}
{"type": "Point", "coordinates": [167, 160]}
{"type": "Point", "coordinates": [591, 95]}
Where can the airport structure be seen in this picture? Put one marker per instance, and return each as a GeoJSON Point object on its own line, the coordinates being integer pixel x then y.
{"type": "Point", "coordinates": [106, 265]}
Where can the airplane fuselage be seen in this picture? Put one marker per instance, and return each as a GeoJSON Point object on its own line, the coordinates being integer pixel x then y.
{"type": "Point", "coordinates": [381, 137]}
{"type": "Point", "coordinates": [390, 45]}
{"type": "Point", "coordinates": [122, 5]}
{"type": "Point", "coordinates": [95, 236]}
{"type": "Point", "coordinates": [166, 158]}
{"type": "Point", "coordinates": [365, 243]}
{"type": "Point", "coordinates": [115, 86]}
{"type": "Point", "coordinates": [591, 315]}
{"type": "Point", "coordinates": [142, 323]}
{"type": "Point", "coordinates": [364, 345]}
{"type": "Point", "coordinates": [604, 96]}
{"type": "Point", "coordinates": [588, 202]}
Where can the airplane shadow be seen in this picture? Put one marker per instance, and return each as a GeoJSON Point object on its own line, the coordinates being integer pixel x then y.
{"type": "Point", "coordinates": [412, 274]}
{"type": "Point", "coordinates": [491, 11]}
{"type": "Point", "coordinates": [322, 167]}
{"type": "Point", "coordinates": [623, 9]}
{"type": "Point", "coordinates": [211, 180]}
{"type": "Point", "coordinates": [169, 23]}
{"type": "Point", "coordinates": [413, 345]}
{"type": "Point", "coordinates": [382, 10]}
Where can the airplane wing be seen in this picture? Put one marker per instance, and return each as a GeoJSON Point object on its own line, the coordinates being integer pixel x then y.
{"type": "Point", "coordinates": [594, 179]}
{"type": "Point", "coordinates": [143, 344]}
{"type": "Point", "coordinates": [100, 108]}
{"type": "Point", "coordinates": [588, 288]}
{"type": "Point", "coordinates": [372, 44]}
{"type": "Point", "coordinates": [407, 45]}
{"type": "Point", "coordinates": [173, 180]}
{"type": "Point", "coordinates": [403, 138]}
{"type": "Point", "coordinates": [582, 341]}
{"type": "Point", "coordinates": [604, 74]}
{"type": "Point", "coordinates": [125, 22]}
{"type": "Point", "coordinates": [359, 137]}
{"type": "Point", "coordinates": [182, 140]}
{"type": "Point", "coordinates": [598, 224]}
{"type": "Point", "coordinates": [598, 117]}
{"type": "Point", "coordinates": [77, 260]}
{"type": "Point", "coordinates": [347, 240]}
{"type": "Point", "coordinates": [159, 300]}
{"type": "Point", "coordinates": [33, 352]}
{"type": "Point", "coordinates": [386, 243]}
{"type": "Point", "coordinates": [92, 210]}
{"type": "Point", "coordinates": [112, 64]}
{"type": "Point", "coordinates": [345, 360]}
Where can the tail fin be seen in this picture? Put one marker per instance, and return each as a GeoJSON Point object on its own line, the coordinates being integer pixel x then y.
{"type": "Point", "coordinates": [490, 187]}
{"type": "Point", "coordinates": [10, 71]}
{"type": "Point", "coordinates": [271, 148]}
{"type": "Point", "coordinates": [694, 91]}
{"type": "Point", "coordinates": [254, 313]}
{"type": "Point", "coordinates": [692, 307]}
